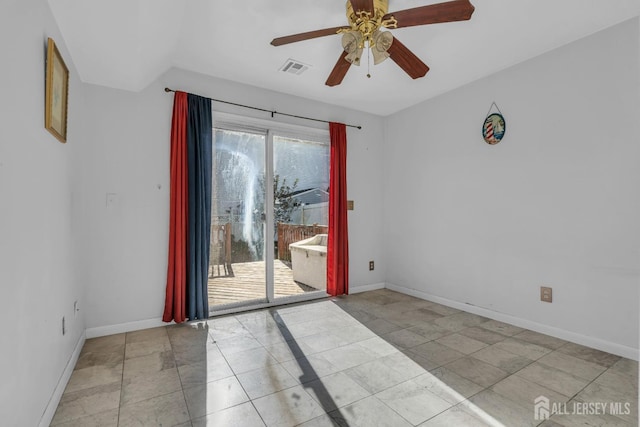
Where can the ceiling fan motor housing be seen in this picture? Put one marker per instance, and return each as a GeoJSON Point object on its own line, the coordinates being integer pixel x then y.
{"type": "Point", "coordinates": [367, 23]}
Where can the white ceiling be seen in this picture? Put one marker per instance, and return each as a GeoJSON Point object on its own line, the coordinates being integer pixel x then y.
{"type": "Point", "coordinates": [126, 44]}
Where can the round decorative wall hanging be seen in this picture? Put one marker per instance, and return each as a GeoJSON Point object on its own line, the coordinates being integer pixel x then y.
{"type": "Point", "coordinates": [494, 126]}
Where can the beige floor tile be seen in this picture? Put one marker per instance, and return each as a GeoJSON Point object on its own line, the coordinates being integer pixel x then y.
{"type": "Point", "coordinates": [348, 356]}
{"type": "Point", "coordinates": [413, 402]}
{"type": "Point", "coordinates": [288, 407]}
{"type": "Point", "coordinates": [110, 359]}
{"type": "Point", "coordinates": [381, 326]}
{"type": "Point", "coordinates": [103, 419]}
{"type": "Point", "coordinates": [461, 343]}
{"type": "Point", "coordinates": [378, 346]}
{"type": "Point", "coordinates": [377, 375]}
{"type": "Point", "coordinates": [399, 361]}
{"type": "Point", "coordinates": [266, 380]}
{"type": "Point", "coordinates": [422, 361]}
{"type": "Point", "coordinates": [457, 322]}
{"type": "Point", "coordinates": [139, 388]}
{"type": "Point", "coordinates": [571, 420]}
{"type": "Point", "coordinates": [309, 368]}
{"type": "Point", "coordinates": [477, 371]}
{"type": "Point", "coordinates": [482, 334]}
{"type": "Point", "coordinates": [626, 366]}
{"type": "Point", "coordinates": [166, 410]}
{"type": "Point", "coordinates": [437, 353]}
{"type": "Point", "coordinates": [87, 402]}
{"type": "Point", "coordinates": [145, 348]}
{"type": "Point", "coordinates": [152, 334]}
{"type": "Point", "coordinates": [554, 379]}
{"type": "Point", "coordinates": [188, 353]}
{"type": "Point", "coordinates": [502, 359]}
{"type": "Point", "coordinates": [423, 314]}
{"type": "Point", "coordinates": [442, 309]}
{"type": "Point", "coordinates": [497, 410]}
{"type": "Point", "coordinates": [457, 417]}
{"type": "Point", "coordinates": [237, 344]}
{"type": "Point", "coordinates": [93, 376]}
{"type": "Point", "coordinates": [404, 338]}
{"type": "Point", "coordinates": [198, 374]}
{"type": "Point", "coordinates": [354, 333]}
{"type": "Point", "coordinates": [625, 404]}
{"type": "Point", "coordinates": [429, 330]}
{"type": "Point", "coordinates": [572, 365]}
{"type": "Point", "coordinates": [109, 343]}
{"type": "Point", "coordinates": [150, 364]}
{"type": "Point", "coordinates": [541, 339]}
{"type": "Point", "coordinates": [523, 348]}
{"type": "Point", "coordinates": [626, 384]}
{"type": "Point", "coordinates": [335, 391]}
{"type": "Point", "coordinates": [321, 421]}
{"type": "Point", "coordinates": [290, 350]}
{"type": "Point", "coordinates": [243, 415]}
{"type": "Point", "coordinates": [589, 354]}
{"type": "Point", "coordinates": [501, 328]}
{"type": "Point", "coordinates": [323, 341]}
{"type": "Point", "coordinates": [448, 385]}
{"type": "Point", "coordinates": [525, 392]}
{"type": "Point", "coordinates": [250, 360]}
{"type": "Point", "coordinates": [230, 327]}
{"type": "Point", "coordinates": [214, 396]}
{"type": "Point", "coordinates": [317, 364]}
{"type": "Point", "coordinates": [368, 412]}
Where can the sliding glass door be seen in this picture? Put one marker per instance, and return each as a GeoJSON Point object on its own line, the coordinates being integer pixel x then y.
{"type": "Point", "coordinates": [270, 191]}
{"type": "Point", "coordinates": [237, 273]}
{"type": "Point", "coordinates": [301, 209]}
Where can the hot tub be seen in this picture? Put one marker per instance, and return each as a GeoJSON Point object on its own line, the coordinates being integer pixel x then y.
{"type": "Point", "coordinates": [309, 261]}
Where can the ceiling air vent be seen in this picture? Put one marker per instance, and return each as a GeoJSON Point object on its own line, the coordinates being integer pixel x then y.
{"type": "Point", "coordinates": [294, 67]}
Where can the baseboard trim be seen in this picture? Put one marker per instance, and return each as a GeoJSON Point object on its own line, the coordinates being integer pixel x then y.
{"type": "Point", "coordinates": [138, 325]}
{"type": "Point", "coordinates": [597, 343]}
{"type": "Point", "coordinates": [366, 288]}
{"type": "Point", "coordinates": [50, 410]}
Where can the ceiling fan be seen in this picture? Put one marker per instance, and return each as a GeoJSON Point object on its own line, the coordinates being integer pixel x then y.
{"type": "Point", "coordinates": [366, 18]}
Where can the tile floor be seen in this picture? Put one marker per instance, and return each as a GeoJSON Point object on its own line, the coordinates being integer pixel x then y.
{"type": "Point", "coordinates": [373, 359]}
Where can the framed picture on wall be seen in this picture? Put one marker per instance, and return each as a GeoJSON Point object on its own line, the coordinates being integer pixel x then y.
{"type": "Point", "coordinates": [57, 91]}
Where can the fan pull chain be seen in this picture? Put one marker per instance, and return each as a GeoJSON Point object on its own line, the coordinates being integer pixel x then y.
{"type": "Point", "coordinates": [369, 62]}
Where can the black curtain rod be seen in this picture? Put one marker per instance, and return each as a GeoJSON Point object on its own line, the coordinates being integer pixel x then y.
{"type": "Point", "coordinates": [166, 89]}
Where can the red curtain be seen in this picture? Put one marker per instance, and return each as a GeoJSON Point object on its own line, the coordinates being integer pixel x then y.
{"type": "Point", "coordinates": [338, 240]}
{"type": "Point", "coordinates": [175, 302]}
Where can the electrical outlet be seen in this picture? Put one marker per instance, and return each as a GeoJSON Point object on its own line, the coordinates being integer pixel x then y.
{"type": "Point", "coordinates": [546, 294]}
{"type": "Point", "coordinates": [371, 265]}
{"type": "Point", "coordinates": [64, 329]}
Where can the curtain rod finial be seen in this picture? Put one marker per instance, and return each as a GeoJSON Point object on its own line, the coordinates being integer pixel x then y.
{"type": "Point", "coordinates": [166, 89]}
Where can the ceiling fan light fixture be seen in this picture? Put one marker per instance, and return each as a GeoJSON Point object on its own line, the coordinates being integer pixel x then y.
{"type": "Point", "coordinates": [352, 42]}
{"type": "Point", "coordinates": [382, 43]}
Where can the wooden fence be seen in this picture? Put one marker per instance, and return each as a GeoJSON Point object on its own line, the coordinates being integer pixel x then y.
{"type": "Point", "coordinates": [289, 233]}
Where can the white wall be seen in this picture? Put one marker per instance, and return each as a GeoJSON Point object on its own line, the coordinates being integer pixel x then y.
{"type": "Point", "coordinates": [37, 280]}
{"type": "Point", "coordinates": [124, 247]}
{"type": "Point", "coordinates": [556, 203]}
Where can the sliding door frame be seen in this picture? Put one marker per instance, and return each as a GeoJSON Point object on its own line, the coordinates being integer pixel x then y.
{"type": "Point", "coordinates": [269, 129]}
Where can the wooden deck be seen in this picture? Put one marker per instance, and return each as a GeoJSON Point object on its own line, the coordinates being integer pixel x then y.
{"type": "Point", "coordinates": [247, 282]}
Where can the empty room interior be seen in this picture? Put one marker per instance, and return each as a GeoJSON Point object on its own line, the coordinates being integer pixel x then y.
{"type": "Point", "coordinates": [452, 238]}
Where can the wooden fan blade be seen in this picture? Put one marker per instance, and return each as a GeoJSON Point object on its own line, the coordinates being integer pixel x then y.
{"type": "Point", "coordinates": [339, 71]}
{"type": "Point", "coordinates": [457, 10]}
{"type": "Point", "coordinates": [362, 5]}
{"type": "Point", "coordinates": [407, 60]}
{"type": "Point", "coordinates": [306, 36]}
